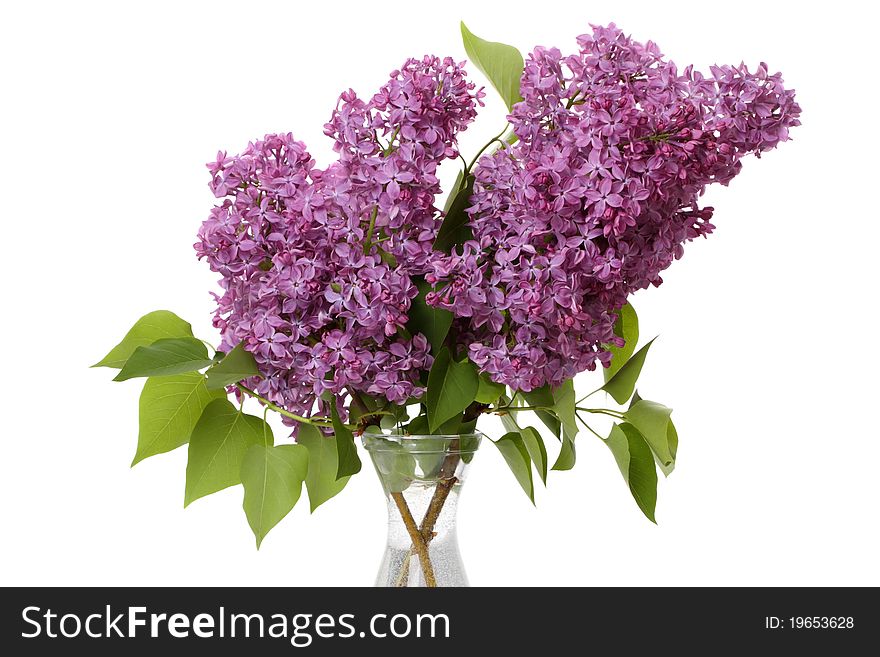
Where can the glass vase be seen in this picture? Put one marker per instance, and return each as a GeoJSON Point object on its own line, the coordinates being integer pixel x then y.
{"type": "Point", "coordinates": [422, 478]}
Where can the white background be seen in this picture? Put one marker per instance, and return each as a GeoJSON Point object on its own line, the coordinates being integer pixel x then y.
{"type": "Point", "coordinates": [768, 341]}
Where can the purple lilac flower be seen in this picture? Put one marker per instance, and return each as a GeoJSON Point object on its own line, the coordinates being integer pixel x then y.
{"type": "Point", "coordinates": [317, 265]}
{"type": "Point", "coordinates": [596, 199]}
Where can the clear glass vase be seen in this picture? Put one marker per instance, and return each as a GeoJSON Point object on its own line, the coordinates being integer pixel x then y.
{"type": "Point", "coordinates": [422, 477]}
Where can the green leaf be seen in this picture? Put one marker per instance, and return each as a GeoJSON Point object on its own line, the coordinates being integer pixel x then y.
{"type": "Point", "coordinates": [564, 404]}
{"type": "Point", "coordinates": [418, 426]}
{"type": "Point", "coordinates": [488, 391]}
{"type": "Point", "coordinates": [537, 450]}
{"type": "Point", "coordinates": [272, 479]}
{"type": "Point", "coordinates": [395, 465]}
{"type": "Point", "coordinates": [237, 365]}
{"type": "Point", "coordinates": [543, 397]}
{"type": "Point", "coordinates": [567, 455]}
{"type": "Point", "coordinates": [502, 64]}
{"type": "Point", "coordinates": [515, 453]}
{"type": "Point", "coordinates": [627, 327]}
{"type": "Point", "coordinates": [652, 421]}
{"type": "Point", "coordinates": [321, 481]}
{"type": "Point", "coordinates": [672, 442]}
{"type": "Point", "coordinates": [451, 427]}
{"type": "Point", "coordinates": [347, 460]}
{"type": "Point", "coordinates": [153, 326]}
{"type": "Point", "coordinates": [456, 186]}
{"type": "Point", "coordinates": [532, 440]}
{"type": "Point", "coordinates": [455, 229]}
{"type": "Point", "coordinates": [431, 322]}
{"type": "Point", "coordinates": [219, 441]}
{"type": "Point", "coordinates": [169, 408]}
{"type": "Point", "coordinates": [636, 464]}
{"type": "Point", "coordinates": [165, 357]}
{"type": "Point", "coordinates": [623, 383]}
{"type": "Point", "coordinates": [451, 388]}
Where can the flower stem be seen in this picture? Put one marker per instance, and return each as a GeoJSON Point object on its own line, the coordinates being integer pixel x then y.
{"type": "Point", "coordinates": [316, 421]}
{"type": "Point", "coordinates": [421, 548]}
{"type": "Point", "coordinates": [441, 493]}
{"type": "Point", "coordinates": [470, 166]}
{"type": "Point", "coordinates": [602, 411]}
{"type": "Point", "coordinates": [369, 239]}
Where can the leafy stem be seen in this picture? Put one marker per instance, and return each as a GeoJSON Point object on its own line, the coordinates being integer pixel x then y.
{"type": "Point", "coordinates": [587, 426]}
{"type": "Point", "coordinates": [315, 421]}
{"type": "Point", "coordinates": [469, 167]}
{"type": "Point", "coordinates": [369, 239]}
{"type": "Point", "coordinates": [601, 411]}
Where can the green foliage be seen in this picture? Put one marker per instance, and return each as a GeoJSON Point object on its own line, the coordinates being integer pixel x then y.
{"type": "Point", "coordinates": [560, 419]}
{"type": "Point", "coordinates": [321, 481]}
{"type": "Point", "coordinates": [395, 465]}
{"type": "Point", "coordinates": [169, 408]}
{"type": "Point", "coordinates": [451, 389]}
{"type": "Point", "coordinates": [488, 392]}
{"type": "Point", "coordinates": [636, 464]}
{"type": "Point", "coordinates": [543, 397]}
{"type": "Point", "coordinates": [431, 322]}
{"type": "Point", "coordinates": [622, 385]}
{"type": "Point", "coordinates": [272, 479]}
{"type": "Point", "coordinates": [627, 327]}
{"type": "Point", "coordinates": [217, 446]}
{"type": "Point", "coordinates": [516, 454]}
{"type": "Point", "coordinates": [453, 191]}
{"type": "Point", "coordinates": [567, 456]}
{"type": "Point", "coordinates": [652, 421]}
{"type": "Point", "coordinates": [237, 365]}
{"type": "Point", "coordinates": [564, 404]}
{"type": "Point", "coordinates": [672, 444]}
{"type": "Point", "coordinates": [533, 442]}
{"type": "Point", "coordinates": [500, 63]}
{"type": "Point", "coordinates": [157, 325]}
{"type": "Point", "coordinates": [347, 460]}
{"type": "Point", "coordinates": [455, 230]}
{"type": "Point", "coordinates": [537, 450]}
{"type": "Point", "coordinates": [165, 357]}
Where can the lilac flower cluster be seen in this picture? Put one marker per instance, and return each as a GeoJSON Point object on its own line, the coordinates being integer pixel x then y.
{"type": "Point", "coordinates": [596, 199]}
{"type": "Point", "coordinates": [317, 264]}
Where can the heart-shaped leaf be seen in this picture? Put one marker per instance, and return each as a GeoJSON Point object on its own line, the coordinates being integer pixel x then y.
{"type": "Point", "coordinates": [452, 387]}
{"type": "Point", "coordinates": [153, 326]}
{"type": "Point", "coordinates": [217, 446]}
{"type": "Point", "coordinates": [272, 478]}
{"type": "Point", "coordinates": [165, 357]}
{"type": "Point", "coordinates": [169, 408]}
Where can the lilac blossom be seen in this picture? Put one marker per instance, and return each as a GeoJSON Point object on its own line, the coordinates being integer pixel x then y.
{"type": "Point", "coordinates": [598, 196]}
{"type": "Point", "coordinates": [317, 265]}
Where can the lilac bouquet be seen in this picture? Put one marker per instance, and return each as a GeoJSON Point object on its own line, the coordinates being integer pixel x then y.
{"type": "Point", "coordinates": [351, 301]}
